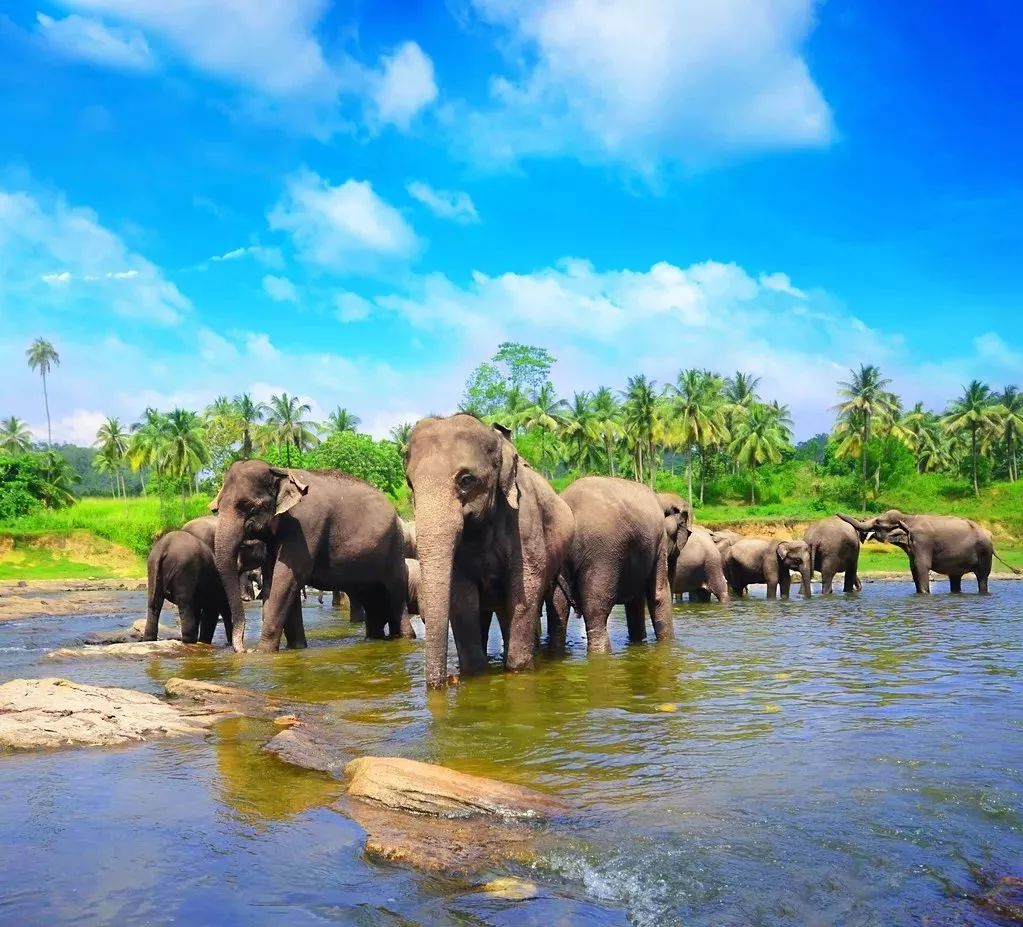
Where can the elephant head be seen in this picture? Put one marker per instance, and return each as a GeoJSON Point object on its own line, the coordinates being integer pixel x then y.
{"type": "Point", "coordinates": [795, 555]}
{"type": "Point", "coordinates": [253, 495]}
{"type": "Point", "coordinates": [879, 525]}
{"type": "Point", "coordinates": [723, 540]}
{"type": "Point", "coordinates": [900, 536]}
{"type": "Point", "coordinates": [678, 522]}
{"type": "Point", "coordinates": [462, 473]}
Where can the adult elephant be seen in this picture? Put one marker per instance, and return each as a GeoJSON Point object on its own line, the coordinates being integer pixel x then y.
{"type": "Point", "coordinates": [181, 569]}
{"type": "Point", "coordinates": [619, 556]}
{"type": "Point", "coordinates": [322, 528]}
{"type": "Point", "coordinates": [205, 529]}
{"type": "Point", "coordinates": [491, 537]}
{"type": "Point", "coordinates": [764, 560]}
{"type": "Point", "coordinates": [699, 569]}
{"type": "Point", "coordinates": [834, 548]}
{"type": "Point", "coordinates": [942, 543]}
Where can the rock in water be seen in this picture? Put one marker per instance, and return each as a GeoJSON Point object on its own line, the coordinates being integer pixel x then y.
{"type": "Point", "coordinates": [45, 713]}
{"type": "Point", "coordinates": [423, 788]}
{"type": "Point", "coordinates": [511, 889]}
{"type": "Point", "coordinates": [196, 697]}
{"type": "Point", "coordinates": [134, 633]}
{"type": "Point", "coordinates": [130, 650]}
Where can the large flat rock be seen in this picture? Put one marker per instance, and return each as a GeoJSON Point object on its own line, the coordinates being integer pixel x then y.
{"type": "Point", "coordinates": [131, 650]}
{"type": "Point", "coordinates": [134, 633]}
{"type": "Point", "coordinates": [47, 713]}
{"type": "Point", "coordinates": [423, 788]}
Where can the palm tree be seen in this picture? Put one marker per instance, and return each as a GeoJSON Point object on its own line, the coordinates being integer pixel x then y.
{"type": "Point", "coordinates": [285, 425]}
{"type": "Point", "coordinates": [740, 389]}
{"type": "Point", "coordinates": [641, 418]}
{"type": "Point", "coordinates": [42, 356]}
{"type": "Point", "coordinates": [184, 452]}
{"type": "Point", "coordinates": [58, 481]}
{"type": "Point", "coordinates": [761, 435]}
{"type": "Point", "coordinates": [145, 449]}
{"type": "Point", "coordinates": [607, 412]}
{"type": "Point", "coordinates": [866, 402]}
{"type": "Point", "coordinates": [698, 418]}
{"type": "Point", "coordinates": [546, 414]}
{"type": "Point", "coordinates": [15, 438]}
{"type": "Point", "coordinates": [582, 430]}
{"type": "Point", "coordinates": [977, 412]}
{"type": "Point", "coordinates": [925, 437]}
{"type": "Point", "coordinates": [400, 435]}
{"type": "Point", "coordinates": [1012, 421]}
{"type": "Point", "coordinates": [108, 465]}
{"type": "Point", "coordinates": [112, 440]}
{"type": "Point", "coordinates": [340, 420]}
{"type": "Point", "coordinates": [250, 413]}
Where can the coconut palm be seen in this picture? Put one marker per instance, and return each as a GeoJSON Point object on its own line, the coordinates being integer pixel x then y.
{"type": "Point", "coordinates": [697, 418]}
{"type": "Point", "coordinates": [112, 441]}
{"type": "Point", "coordinates": [15, 438]}
{"type": "Point", "coordinates": [42, 356]}
{"type": "Point", "coordinates": [183, 452]}
{"type": "Point", "coordinates": [340, 420]}
{"type": "Point", "coordinates": [249, 414]}
{"type": "Point", "coordinates": [740, 389]}
{"type": "Point", "coordinates": [867, 404]}
{"type": "Point", "coordinates": [977, 413]}
{"type": "Point", "coordinates": [145, 448]}
{"type": "Point", "coordinates": [608, 414]}
{"type": "Point", "coordinates": [104, 462]}
{"type": "Point", "coordinates": [582, 432]}
{"type": "Point", "coordinates": [1012, 427]}
{"type": "Point", "coordinates": [546, 413]}
{"type": "Point", "coordinates": [285, 425]}
{"type": "Point", "coordinates": [59, 478]}
{"type": "Point", "coordinates": [641, 417]}
{"type": "Point", "coordinates": [761, 436]}
{"type": "Point", "coordinates": [925, 437]}
{"type": "Point", "coordinates": [400, 435]}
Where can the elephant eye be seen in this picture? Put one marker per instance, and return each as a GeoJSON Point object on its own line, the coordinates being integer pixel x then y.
{"type": "Point", "coordinates": [466, 481]}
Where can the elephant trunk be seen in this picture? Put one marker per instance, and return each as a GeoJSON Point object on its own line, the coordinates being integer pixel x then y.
{"type": "Point", "coordinates": [438, 530]}
{"type": "Point", "coordinates": [806, 572]}
{"type": "Point", "coordinates": [225, 552]}
{"type": "Point", "coordinates": [861, 526]}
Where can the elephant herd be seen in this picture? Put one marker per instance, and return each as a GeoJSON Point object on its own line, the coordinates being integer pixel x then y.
{"type": "Point", "coordinates": [492, 537]}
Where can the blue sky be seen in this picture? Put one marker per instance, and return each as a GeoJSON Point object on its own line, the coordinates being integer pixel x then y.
{"type": "Point", "coordinates": [357, 202]}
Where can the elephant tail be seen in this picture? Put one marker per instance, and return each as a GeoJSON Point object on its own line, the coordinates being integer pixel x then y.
{"type": "Point", "coordinates": [1009, 565]}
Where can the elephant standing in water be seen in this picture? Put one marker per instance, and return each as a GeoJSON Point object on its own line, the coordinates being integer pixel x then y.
{"type": "Point", "coordinates": [699, 569]}
{"type": "Point", "coordinates": [834, 548]}
{"type": "Point", "coordinates": [491, 536]}
{"type": "Point", "coordinates": [205, 529]}
{"type": "Point", "coordinates": [619, 556]}
{"type": "Point", "coordinates": [321, 528]}
{"type": "Point", "coordinates": [943, 543]}
{"type": "Point", "coordinates": [763, 560]}
{"type": "Point", "coordinates": [182, 570]}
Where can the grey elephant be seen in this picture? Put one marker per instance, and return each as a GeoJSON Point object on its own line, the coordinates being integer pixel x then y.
{"type": "Point", "coordinates": [322, 528]}
{"type": "Point", "coordinates": [619, 555]}
{"type": "Point", "coordinates": [765, 560]}
{"type": "Point", "coordinates": [835, 548]}
{"type": "Point", "coordinates": [942, 543]}
{"type": "Point", "coordinates": [678, 523]}
{"type": "Point", "coordinates": [408, 530]}
{"type": "Point", "coordinates": [181, 569]}
{"type": "Point", "coordinates": [413, 580]}
{"type": "Point", "coordinates": [699, 569]}
{"type": "Point", "coordinates": [491, 536]}
{"type": "Point", "coordinates": [205, 529]}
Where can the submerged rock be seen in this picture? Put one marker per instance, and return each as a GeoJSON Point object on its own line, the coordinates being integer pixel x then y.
{"type": "Point", "coordinates": [46, 713]}
{"type": "Point", "coordinates": [310, 746]}
{"type": "Point", "coordinates": [424, 788]}
{"type": "Point", "coordinates": [130, 650]}
{"type": "Point", "coordinates": [195, 696]}
{"type": "Point", "coordinates": [134, 633]}
{"type": "Point", "coordinates": [511, 889]}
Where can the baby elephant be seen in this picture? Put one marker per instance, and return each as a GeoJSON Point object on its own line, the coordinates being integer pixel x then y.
{"type": "Point", "coordinates": [762, 560]}
{"type": "Point", "coordinates": [181, 569]}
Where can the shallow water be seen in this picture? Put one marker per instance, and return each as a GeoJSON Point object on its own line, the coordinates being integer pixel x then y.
{"type": "Point", "coordinates": [841, 761]}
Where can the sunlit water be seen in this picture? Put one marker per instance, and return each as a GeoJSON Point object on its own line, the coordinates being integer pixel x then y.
{"type": "Point", "coordinates": [842, 761]}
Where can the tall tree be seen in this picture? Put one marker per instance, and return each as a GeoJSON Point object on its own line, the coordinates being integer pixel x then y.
{"type": "Point", "coordinates": [761, 436]}
{"type": "Point", "coordinates": [15, 438]}
{"type": "Point", "coordinates": [582, 432]}
{"type": "Point", "coordinates": [286, 426]}
{"type": "Point", "coordinates": [866, 404]}
{"type": "Point", "coordinates": [641, 418]}
{"type": "Point", "coordinates": [145, 449]}
{"type": "Point", "coordinates": [525, 366]}
{"type": "Point", "coordinates": [112, 441]}
{"type": "Point", "coordinates": [42, 356]}
{"type": "Point", "coordinates": [975, 412]}
{"type": "Point", "coordinates": [341, 420]}
{"type": "Point", "coordinates": [546, 414]}
{"type": "Point", "coordinates": [608, 414]}
{"type": "Point", "coordinates": [400, 435]}
{"type": "Point", "coordinates": [250, 413]}
{"type": "Point", "coordinates": [184, 453]}
{"type": "Point", "coordinates": [1011, 401]}
{"type": "Point", "coordinates": [925, 437]}
{"type": "Point", "coordinates": [698, 418]}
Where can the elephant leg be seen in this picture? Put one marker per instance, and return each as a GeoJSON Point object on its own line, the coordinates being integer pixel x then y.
{"type": "Point", "coordinates": [225, 615]}
{"type": "Point", "coordinates": [658, 600]}
{"type": "Point", "coordinates": [153, 609]}
{"type": "Point", "coordinates": [596, 604]}
{"type": "Point", "coordinates": [772, 586]}
{"type": "Point", "coordinates": [284, 598]}
{"type": "Point", "coordinates": [189, 615]}
{"type": "Point", "coordinates": [335, 599]}
{"type": "Point", "coordinates": [356, 610]}
{"type": "Point", "coordinates": [207, 624]}
{"type": "Point", "coordinates": [294, 628]}
{"type": "Point", "coordinates": [852, 581]}
{"type": "Point", "coordinates": [784, 583]}
{"type": "Point", "coordinates": [699, 595]}
{"type": "Point", "coordinates": [955, 583]}
{"type": "Point", "coordinates": [635, 618]}
{"type": "Point", "coordinates": [982, 577]}
{"type": "Point", "coordinates": [372, 602]}
{"type": "Point", "coordinates": [557, 618]}
{"type": "Point", "coordinates": [717, 585]}
{"type": "Point", "coordinates": [827, 579]}
{"type": "Point", "coordinates": [465, 627]}
{"type": "Point", "coordinates": [921, 570]}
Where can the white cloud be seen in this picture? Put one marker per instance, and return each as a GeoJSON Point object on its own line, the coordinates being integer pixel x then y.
{"type": "Point", "coordinates": [351, 307]}
{"type": "Point", "coordinates": [780, 283]}
{"type": "Point", "coordinates": [91, 40]}
{"type": "Point", "coordinates": [97, 269]}
{"type": "Point", "coordinates": [269, 257]}
{"type": "Point", "coordinates": [343, 228]}
{"type": "Point", "coordinates": [647, 82]}
{"type": "Point", "coordinates": [404, 85]}
{"type": "Point", "coordinates": [448, 204]}
{"type": "Point", "coordinates": [991, 347]}
{"type": "Point", "coordinates": [280, 289]}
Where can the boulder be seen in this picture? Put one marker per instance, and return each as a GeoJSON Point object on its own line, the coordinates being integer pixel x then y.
{"type": "Point", "coordinates": [303, 745]}
{"type": "Point", "coordinates": [46, 713]}
{"type": "Point", "coordinates": [130, 650]}
{"type": "Point", "coordinates": [196, 697]}
{"type": "Point", "coordinates": [134, 633]}
{"type": "Point", "coordinates": [424, 788]}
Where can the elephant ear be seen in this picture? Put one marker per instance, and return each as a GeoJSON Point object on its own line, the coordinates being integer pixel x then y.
{"type": "Point", "coordinates": [290, 490]}
{"type": "Point", "coordinates": [783, 550]}
{"type": "Point", "coordinates": [508, 479]}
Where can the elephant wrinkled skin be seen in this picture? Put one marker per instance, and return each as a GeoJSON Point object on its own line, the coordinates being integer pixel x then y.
{"type": "Point", "coordinates": [834, 548]}
{"type": "Point", "coordinates": [699, 569]}
{"type": "Point", "coordinates": [491, 537]}
{"type": "Point", "coordinates": [763, 560]}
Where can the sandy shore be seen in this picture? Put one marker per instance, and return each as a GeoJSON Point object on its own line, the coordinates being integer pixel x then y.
{"type": "Point", "coordinates": [32, 598]}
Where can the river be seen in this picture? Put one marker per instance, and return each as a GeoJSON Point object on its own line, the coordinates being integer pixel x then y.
{"type": "Point", "coordinates": [838, 761]}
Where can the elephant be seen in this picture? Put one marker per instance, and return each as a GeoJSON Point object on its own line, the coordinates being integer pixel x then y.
{"type": "Point", "coordinates": [182, 569]}
{"type": "Point", "coordinates": [723, 539]}
{"type": "Point", "coordinates": [764, 560]}
{"type": "Point", "coordinates": [942, 543]}
{"type": "Point", "coordinates": [205, 529]}
{"type": "Point", "coordinates": [322, 528]}
{"type": "Point", "coordinates": [408, 530]}
{"type": "Point", "coordinates": [414, 579]}
{"type": "Point", "coordinates": [699, 569]}
{"type": "Point", "coordinates": [834, 548]}
{"type": "Point", "coordinates": [491, 536]}
{"type": "Point", "coordinates": [619, 555]}
{"type": "Point", "coordinates": [678, 523]}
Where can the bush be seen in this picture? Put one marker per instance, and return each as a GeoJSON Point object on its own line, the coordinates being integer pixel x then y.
{"type": "Point", "coordinates": [376, 462]}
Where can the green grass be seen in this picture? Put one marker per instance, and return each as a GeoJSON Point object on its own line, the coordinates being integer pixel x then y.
{"type": "Point", "coordinates": [40, 563]}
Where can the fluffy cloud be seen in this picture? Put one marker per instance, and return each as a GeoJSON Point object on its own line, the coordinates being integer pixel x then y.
{"type": "Point", "coordinates": [351, 307]}
{"type": "Point", "coordinates": [648, 81]}
{"type": "Point", "coordinates": [280, 289]}
{"type": "Point", "coordinates": [62, 253]}
{"type": "Point", "coordinates": [269, 257]}
{"type": "Point", "coordinates": [90, 40]}
{"type": "Point", "coordinates": [343, 228]}
{"type": "Point", "coordinates": [448, 204]}
{"type": "Point", "coordinates": [404, 85]}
